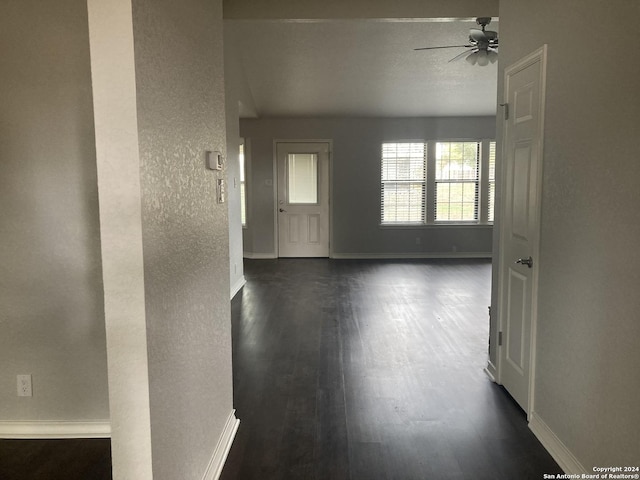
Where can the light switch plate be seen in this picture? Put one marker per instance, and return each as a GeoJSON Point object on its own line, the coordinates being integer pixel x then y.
{"type": "Point", "coordinates": [221, 190]}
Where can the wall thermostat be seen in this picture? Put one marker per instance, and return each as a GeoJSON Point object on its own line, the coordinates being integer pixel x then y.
{"type": "Point", "coordinates": [215, 160]}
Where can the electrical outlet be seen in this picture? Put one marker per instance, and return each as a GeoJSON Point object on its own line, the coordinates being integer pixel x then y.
{"type": "Point", "coordinates": [25, 388]}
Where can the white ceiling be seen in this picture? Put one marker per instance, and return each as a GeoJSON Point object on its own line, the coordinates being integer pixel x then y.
{"type": "Point", "coordinates": [361, 68]}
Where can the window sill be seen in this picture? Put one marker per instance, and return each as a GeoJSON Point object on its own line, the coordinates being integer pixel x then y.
{"type": "Point", "coordinates": [428, 226]}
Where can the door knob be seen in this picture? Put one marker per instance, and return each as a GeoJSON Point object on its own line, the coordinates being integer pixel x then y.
{"type": "Point", "coordinates": [526, 261]}
{"type": "Point", "coordinates": [282, 210]}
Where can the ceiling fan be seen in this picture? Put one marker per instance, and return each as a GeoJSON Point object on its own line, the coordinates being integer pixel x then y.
{"type": "Point", "coordinates": [483, 45]}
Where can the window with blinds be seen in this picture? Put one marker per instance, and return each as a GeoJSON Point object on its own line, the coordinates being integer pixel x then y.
{"type": "Point", "coordinates": [492, 179]}
{"type": "Point", "coordinates": [403, 185]}
{"type": "Point", "coordinates": [457, 183]}
{"type": "Point", "coordinates": [438, 183]}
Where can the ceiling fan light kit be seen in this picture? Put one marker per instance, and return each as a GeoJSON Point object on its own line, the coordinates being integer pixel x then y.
{"type": "Point", "coordinates": [482, 46]}
{"type": "Point", "coordinates": [482, 57]}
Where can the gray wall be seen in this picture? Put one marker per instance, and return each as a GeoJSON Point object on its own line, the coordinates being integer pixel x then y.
{"type": "Point", "coordinates": [355, 180]}
{"type": "Point", "coordinates": [587, 382]}
{"type": "Point", "coordinates": [51, 306]}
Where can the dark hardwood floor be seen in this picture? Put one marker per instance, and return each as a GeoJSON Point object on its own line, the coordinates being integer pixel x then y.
{"type": "Point", "coordinates": [356, 370]}
{"type": "Point", "coordinates": [69, 459]}
{"type": "Point", "coordinates": [368, 370]}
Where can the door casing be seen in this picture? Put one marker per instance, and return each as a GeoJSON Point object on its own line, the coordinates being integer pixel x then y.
{"type": "Point", "coordinates": [275, 189]}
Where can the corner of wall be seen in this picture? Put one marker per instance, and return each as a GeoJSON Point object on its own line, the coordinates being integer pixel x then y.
{"type": "Point", "coordinates": [558, 450]}
{"type": "Point", "coordinates": [216, 464]}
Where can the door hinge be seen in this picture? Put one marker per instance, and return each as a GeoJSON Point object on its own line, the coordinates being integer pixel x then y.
{"type": "Point", "coordinates": [499, 338]}
{"type": "Point", "coordinates": [506, 110]}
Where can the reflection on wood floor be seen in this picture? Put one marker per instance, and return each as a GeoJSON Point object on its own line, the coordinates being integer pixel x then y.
{"type": "Point", "coordinates": [368, 370]}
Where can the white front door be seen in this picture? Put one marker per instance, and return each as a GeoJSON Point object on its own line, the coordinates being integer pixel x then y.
{"type": "Point", "coordinates": [520, 227]}
{"type": "Point", "coordinates": [303, 199]}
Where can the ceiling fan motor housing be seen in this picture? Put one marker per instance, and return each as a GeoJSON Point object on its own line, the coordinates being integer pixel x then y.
{"type": "Point", "coordinates": [483, 21]}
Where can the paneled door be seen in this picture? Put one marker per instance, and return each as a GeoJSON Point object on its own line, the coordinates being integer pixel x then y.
{"type": "Point", "coordinates": [303, 199]}
{"type": "Point", "coordinates": [520, 226]}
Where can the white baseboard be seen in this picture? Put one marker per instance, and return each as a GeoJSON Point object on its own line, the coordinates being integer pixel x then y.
{"type": "Point", "coordinates": [560, 453]}
{"type": "Point", "coordinates": [235, 288]}
{"type": "Point", "coordinates": [382, 256]}
{"type": "Point", "coordinates": [55, 429]}
{"type": "Point", "coordinates": [402, 256]}
{"type": "Point", "coordinates": [214, 469]}
{"type": "Point", "coordinates": [491, 371]}
{"type": "Point", "coordinates": [259, 256]}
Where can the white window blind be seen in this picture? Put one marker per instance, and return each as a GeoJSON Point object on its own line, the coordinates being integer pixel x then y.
{"type": "Point", "coordinates": [302, 181]}
{"type": "Point", "coordinates": [457, 166]}
{"type": "Point", "coordinates": [492, 179]}
{"type": "Point", "coordinates": [403, 183]}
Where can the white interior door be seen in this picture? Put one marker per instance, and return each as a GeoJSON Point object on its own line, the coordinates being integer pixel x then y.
{"type": "Point", "coordinates": [520, 227]}
{"type": "Point", "coordinates": [303, 199]}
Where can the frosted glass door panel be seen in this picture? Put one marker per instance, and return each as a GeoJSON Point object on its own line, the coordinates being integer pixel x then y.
{"type": "Point", "coordinates": [302, 182]}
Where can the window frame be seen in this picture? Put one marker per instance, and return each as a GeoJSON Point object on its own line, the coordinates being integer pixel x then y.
{"type": "Point", "coordinates": [290, 175]}
{"type": "Point", "coordinates": [429, 206]}
{"type": "Point", "coordinates": [244, 193]}
{"type": "Point", "coordinates": [453, 181]}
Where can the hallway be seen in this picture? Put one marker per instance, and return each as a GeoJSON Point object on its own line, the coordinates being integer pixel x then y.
{"type": "Point", "coordinates": [371, 370]}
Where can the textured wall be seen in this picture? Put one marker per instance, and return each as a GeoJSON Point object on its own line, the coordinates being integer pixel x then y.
{"type": "Point", "coordinates": [587, 383]}
{"type": "Point", "coordinates": [51, 307]}
{"type": "Point", "coordinates": [181, 114]}
{"type": "Point", "coordinates": [356, 183]}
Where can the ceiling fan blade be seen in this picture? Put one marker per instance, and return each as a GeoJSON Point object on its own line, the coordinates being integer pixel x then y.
{"type": "Point", "coordinates": [477, 35]}
{"type": "Point", "coordinates": [448, 46]}
{"type": "Point", "coordinates": [463, 54]}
